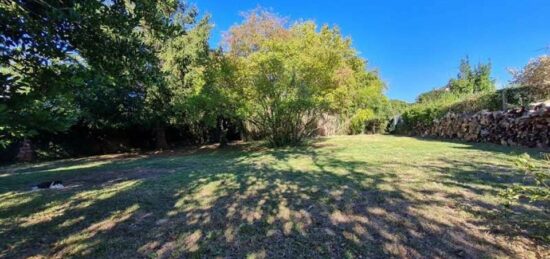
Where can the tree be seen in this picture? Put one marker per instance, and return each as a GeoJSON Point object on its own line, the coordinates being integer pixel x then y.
{"type": "Point", "coordinates": [482, 81]}
{"type": "Point", "coordinates": [68, 59]}
{"type": "Point", "coordinates": [289, 76]}
{"type": "Point", "coordinates": [536, 74]}
{"type": "Point", "coordinates": [182, 53]}
{"type": "Point", "coordinates": [37, 69]}
{"type": "Point", "coordinates": [464, 83]}
{"type": "Point", "coordinates": [259, 26]}
{"type": "Point", "coordinates": [472, 81]}
{"type": "Point", "coordinates": [218, 102]}
{"type": "Point", "coordinates": [103, 64]}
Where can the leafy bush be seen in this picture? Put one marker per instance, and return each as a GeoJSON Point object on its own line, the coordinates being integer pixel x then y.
{"type": "Point", "coordinates": [421, 115]}
{"type": "Point", "coordinates": [357, 123]}
{"type": "Point", "coordinates": [376, 125]}
{"type": "Point", "coordinates": [289, 78]}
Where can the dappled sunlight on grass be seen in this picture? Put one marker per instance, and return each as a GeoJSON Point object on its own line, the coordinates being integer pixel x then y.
{"type": "Point", "coordinates": [81, 243]}
{"type": "Point", "coordinates": [88, 198]}
{"type": "Point", "coordinates": [370, 196]}
{"type": "Point", "coordinates": [79, 201]}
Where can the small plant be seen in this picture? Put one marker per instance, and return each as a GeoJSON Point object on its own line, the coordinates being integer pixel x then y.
{"type": "Point", "coordinates": [541, 177]}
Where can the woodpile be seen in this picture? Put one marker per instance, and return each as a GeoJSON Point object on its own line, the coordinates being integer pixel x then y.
{"type": "Point", "coordinates": [528, 127]}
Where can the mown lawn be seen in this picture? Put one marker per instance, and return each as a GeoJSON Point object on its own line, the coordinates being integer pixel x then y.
{"type": "Point", "coordinates": [346, 196]}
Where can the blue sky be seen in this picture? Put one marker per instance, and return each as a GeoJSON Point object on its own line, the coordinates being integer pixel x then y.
{"type": "Point", "coordinates": [417, 45]}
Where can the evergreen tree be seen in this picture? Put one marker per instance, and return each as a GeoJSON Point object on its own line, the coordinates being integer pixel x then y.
{"type": "Point", "coordinates": [472, 81]}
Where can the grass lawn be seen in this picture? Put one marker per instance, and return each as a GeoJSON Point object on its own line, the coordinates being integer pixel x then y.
{"type": "Point", "coordinates": [345, 196]}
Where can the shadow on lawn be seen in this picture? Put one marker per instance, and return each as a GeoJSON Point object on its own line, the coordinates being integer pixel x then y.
{"type": "Point", "coordinates": [236, 204]}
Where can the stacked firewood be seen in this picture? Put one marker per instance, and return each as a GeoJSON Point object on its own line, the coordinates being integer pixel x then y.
{"type": "Point", "coordinates": [517, 127]}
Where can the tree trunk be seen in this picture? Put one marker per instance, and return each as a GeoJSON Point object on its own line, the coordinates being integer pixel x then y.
{"type": "Point", "coordinates": [25, 154]}
{"type": "Point", "coordinates": [504, 104]}
{"type": "Point", "coordinates": [223, 132]}
{"type": "Point", "coordinates": [160, 137]}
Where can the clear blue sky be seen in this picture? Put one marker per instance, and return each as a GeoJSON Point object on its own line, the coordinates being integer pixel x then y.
{"type": "Point", "coordinates": [417, 45]}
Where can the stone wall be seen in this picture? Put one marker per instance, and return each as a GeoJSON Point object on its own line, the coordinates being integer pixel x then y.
{"type": "Point", "coordinates": [528, 127]}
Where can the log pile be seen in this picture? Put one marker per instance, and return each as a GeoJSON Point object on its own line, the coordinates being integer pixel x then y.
{"type": "Point", "coordinates": [528, 127]}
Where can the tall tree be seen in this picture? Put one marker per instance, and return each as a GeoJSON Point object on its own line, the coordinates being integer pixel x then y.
{"type": "Point", "coordinates": [182, 52]}
{"type": "Point", "coordinates": [66, 58]}
{"type": "Point", "coordinates": [289, 78]}
{"type": "Point", "coordinates": [106, 64]}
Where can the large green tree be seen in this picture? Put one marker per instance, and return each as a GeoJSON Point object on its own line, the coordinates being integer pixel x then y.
{"type": "Point", "coordinates": [105, 64]}
{"type": "Point", "coordinates": [183, 59]}
{"type": "Point", "coordinates": [289, 76]}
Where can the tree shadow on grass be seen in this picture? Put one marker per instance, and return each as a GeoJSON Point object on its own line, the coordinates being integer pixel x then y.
{"type": "Point", "coordinates": [244, 203]}
{"type": "Point", "coordinates": [508, 218]}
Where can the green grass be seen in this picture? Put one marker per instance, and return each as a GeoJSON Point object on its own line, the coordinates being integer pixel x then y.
{"type": "Point", "coordinates": [346, 196]}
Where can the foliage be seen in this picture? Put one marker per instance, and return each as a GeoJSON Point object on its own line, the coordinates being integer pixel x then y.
{"type": "Point", "coordinates": [540, 175]}
{"type": "Point", "coordinates": [183, 61]}
{"type": "Point", "coordinates": [397, 107]}
{"type": "Point", "coordinates": [259, 25]}
{"type": "Point", "coordinates": [289, 77]}
{"type": "Point", "coordinates": [536, 74]}
{"type": "Point", "coordinates": [432, 95]}
{"type": "Point", "coordinates": [107, 66]}
{"type": "Point", "coordinates": [219, 101]}
{"type": "Point", "coordinates": [421, 115]}
{"type": "Point", "coordinates": [471, 91]}
{"type": "Point", "coordinates": [104, 64]}
{"type": "Point", "coordinates": [357, 124]}
{"type": "Point", "coordinates": [468, 81]}
{"type": "Point", "coordinates": [472, 81]}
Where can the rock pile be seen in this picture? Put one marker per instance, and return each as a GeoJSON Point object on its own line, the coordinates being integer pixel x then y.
{"type": "Point", "coordinates": [528, 127]}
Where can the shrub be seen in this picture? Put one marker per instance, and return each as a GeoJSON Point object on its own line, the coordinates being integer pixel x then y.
{"type": "Point", "coordinates": [540, 191]}
{"type": "Point", "coordinates": [376, 125]}
{"type": "Point", "coordinates": [357, 123]}
{"type": "Point", "coordinates": [287, 81]}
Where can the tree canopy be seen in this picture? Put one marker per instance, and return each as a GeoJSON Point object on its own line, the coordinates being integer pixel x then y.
{"type": "Point", "coordinates": [536, 74]}
{"type": "Point", "coordinates": [105, 64]}
{"type": "Point", "coordinates": [146, 64]}
{"type": "Point", "coordinates": [289, 75]}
